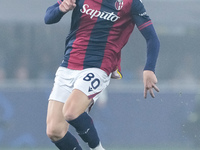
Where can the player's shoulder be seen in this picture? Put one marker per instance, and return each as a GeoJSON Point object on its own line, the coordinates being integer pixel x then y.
{"type": "Point", "coordinates": [138, 7]}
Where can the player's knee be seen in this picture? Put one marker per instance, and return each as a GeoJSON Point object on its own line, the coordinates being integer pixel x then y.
{"type": "Point", "coordinates": [53, 132]}
{"type": "Point", "coordinates": [69, 115]}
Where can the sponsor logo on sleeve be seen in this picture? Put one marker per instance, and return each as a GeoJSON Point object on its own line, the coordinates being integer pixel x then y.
{"type": "Point", "coordinates": [143, 14]}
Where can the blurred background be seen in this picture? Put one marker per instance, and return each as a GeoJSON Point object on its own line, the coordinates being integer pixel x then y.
{"type": "Point", "coordinates": [30, 53]}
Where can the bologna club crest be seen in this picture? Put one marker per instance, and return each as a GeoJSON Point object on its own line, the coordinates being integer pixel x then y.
{"type": "Point", "coordinates": [119, 4]}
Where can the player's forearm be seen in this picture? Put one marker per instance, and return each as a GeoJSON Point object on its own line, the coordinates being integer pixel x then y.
{"type": "Point", "coordinates": [153, 46]}
{"type": "Point", "coordinates": [53, 14]}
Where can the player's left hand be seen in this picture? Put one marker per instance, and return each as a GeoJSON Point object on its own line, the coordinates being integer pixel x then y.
{"type": "Point", "coordinates": [149, 80]}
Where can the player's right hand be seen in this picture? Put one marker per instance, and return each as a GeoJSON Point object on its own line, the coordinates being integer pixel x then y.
{"type": "Point", "coordinates": [67, 5]}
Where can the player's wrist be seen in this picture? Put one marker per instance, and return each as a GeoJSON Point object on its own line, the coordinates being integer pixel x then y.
{"type": "Point", "coordinates": [148, 71]}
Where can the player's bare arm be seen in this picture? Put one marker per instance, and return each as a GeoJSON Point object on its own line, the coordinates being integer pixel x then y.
{"type": "Point", "coordinates": [150, 80]}
{"type": "Point", "coordinates": [67, 5]}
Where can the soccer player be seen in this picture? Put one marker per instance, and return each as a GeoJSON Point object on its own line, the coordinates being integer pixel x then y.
{"type": "Point", "coordinates": [99, 30]}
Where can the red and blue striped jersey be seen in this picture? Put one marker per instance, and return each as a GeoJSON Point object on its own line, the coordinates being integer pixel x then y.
{"type": "Point", "coordinates": [99, 30]}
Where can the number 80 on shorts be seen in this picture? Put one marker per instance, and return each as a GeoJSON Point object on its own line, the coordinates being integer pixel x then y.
{"type": "Point", "coordinates": [95, 82]}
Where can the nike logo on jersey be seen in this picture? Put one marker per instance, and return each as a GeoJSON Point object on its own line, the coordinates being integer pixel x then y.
{"type": "Point", "coordinates": [95, 13]}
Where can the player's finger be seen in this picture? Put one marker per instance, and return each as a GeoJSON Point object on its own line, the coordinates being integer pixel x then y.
{"type": "Point", "coordinates": [72, 3]}
{"type": "Point", "coordinates": [145, 92]}
{"type": "Point", "coordinates": [68, 4]}
{"type": "Point", "coordinates": [151, 92]}
{"type": "Point", "coordinates": [65, 4]}
{"type": "Point", "coordinates": [156, 88]}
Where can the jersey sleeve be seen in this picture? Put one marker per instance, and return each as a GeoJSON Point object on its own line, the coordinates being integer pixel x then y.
{"type": "Point", "coordinates": [53, 13]}
{"type": "Point", "coordinates": [139, 14]}
{"type": "Point", "coordinates": [145, 26]}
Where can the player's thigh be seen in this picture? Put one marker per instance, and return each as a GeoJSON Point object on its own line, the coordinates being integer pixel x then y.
{"type": "Point", "coordinates": [88, 85]}
{"type": "Point", "coordinates": [76, 104]}
{"type": "Point", "coordinates": [56, 124]}
{"type": "Point", "coordinates": [92, 82]}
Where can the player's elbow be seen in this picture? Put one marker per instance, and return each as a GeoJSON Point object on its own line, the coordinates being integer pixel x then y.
{"type": "Point", "coordinates": [157, 41]}
{"type": "Point", "coordinates": [47, 20]}
{"type": "Point", "coordinates": [154, 40]}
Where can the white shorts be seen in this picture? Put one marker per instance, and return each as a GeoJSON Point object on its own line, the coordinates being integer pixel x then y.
{"type": "Point", "coordinates": [90, 81]}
